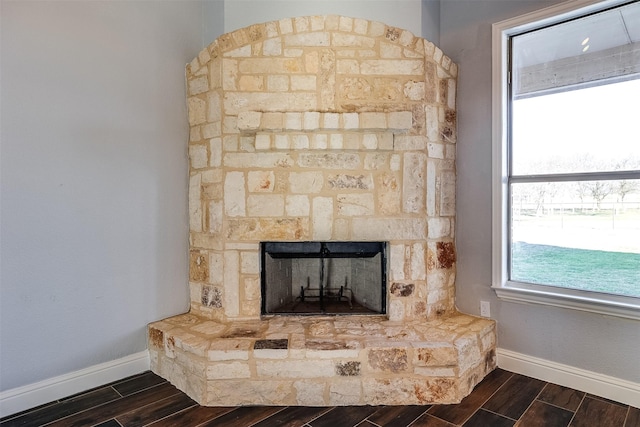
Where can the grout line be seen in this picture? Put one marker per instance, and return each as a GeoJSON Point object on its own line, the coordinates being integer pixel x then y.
{"type": "Point", "coordinates": [488, 398]}
{"type": "Point", "coordinates": [577, 409]}
{"type": "Point", "coordinates": [269, 416]}
{"type": "Point", "coordinates": [501, 415]}
{"type": "Point", "coordinates": [169, 415]}
{"type": "Point", "coordinates": [626, 418]}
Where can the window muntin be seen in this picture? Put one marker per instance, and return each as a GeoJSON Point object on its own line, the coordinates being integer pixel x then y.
{"type": "Point", "coordinates": [519, 168]}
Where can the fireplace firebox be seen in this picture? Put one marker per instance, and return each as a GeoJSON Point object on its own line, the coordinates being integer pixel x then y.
{"type": "Point", "coordinates": [307, 278]}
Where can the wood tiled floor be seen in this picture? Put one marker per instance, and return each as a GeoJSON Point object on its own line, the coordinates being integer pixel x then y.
{"type": "Point", "coordinates": [501, 399]}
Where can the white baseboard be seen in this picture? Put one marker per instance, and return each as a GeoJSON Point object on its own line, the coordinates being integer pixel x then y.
{"type": "Point", "coordinates": [29, 396]}
{"type": "Point", "coordinates": [617, 389]}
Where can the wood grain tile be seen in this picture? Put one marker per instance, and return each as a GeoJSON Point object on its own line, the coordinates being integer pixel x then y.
{"type": "Point", "coordinates": [484, 418]}
{"type": "Point", "coordinates": [192, 417]}
{"type": "Point", "coordinates": [597, 412]}
{"type": "Point", "coordinates": [563, 397]}
{"type": "Point", "coordinates": [63, 408]}
{"type": "Point", "coordinates": [156, 410]}
{"type": "Point", "coordinates": [117, 407]}
{"type": "Point", "coordinates": [397, 415]}
{"type": "Point", "coordinates": [427, 420]}
{"type": "Point", "coordinates": [457, 414]}
{"type": "Point", "coordinates": [110, 423]}
{"type": "Point", "coordinates": [515, 396]}
{"type": "Point", "coordinates": [633, 417]}
{"type": "Point", "coordinates": [244, 416]}
{"type": "Point", "coordinates": [343, 416]}
{"type": "Point", "coordinates": [137, 383]}
{"type": "Point", "coordinates": [293, 416]}
{"type": "Point", "coordinates": [542, 414]}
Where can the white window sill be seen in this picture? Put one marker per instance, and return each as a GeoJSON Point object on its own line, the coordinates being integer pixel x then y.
{"type": "Point", "coordinates": [593, 302]}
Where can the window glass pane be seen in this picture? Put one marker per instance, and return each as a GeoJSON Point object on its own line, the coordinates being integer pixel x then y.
{"type": "Point", "coordinates": [581, 235]}
{"type": "Point", "coordinates": [587, 130]}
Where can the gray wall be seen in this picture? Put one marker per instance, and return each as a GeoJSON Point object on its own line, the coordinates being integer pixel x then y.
{"type": "Point", "coordinates": [93, 179]}
{"type": "Point", "coordinates": [593, 342]}
{"type": "Point", "coordinates": [405, 14]}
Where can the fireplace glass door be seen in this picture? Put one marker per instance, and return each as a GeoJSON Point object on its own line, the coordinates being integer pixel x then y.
{"type": "Point", "coordinates": [306, 278]}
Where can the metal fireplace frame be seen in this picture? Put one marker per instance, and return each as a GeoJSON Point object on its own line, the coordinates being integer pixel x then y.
{"type": "Point", "coordinates": [323, 250]}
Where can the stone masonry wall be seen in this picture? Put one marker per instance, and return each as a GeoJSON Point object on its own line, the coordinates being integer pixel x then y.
{"type": "Point", "coordinates": [321, 128]}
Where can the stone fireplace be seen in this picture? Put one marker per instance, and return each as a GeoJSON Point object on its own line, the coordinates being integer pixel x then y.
{"type": "Point", "coordinates": [320, 131]}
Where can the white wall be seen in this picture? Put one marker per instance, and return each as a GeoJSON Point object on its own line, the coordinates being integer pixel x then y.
{"type": "Point", "coordinates": [592, 342]}
{"type": "Point", "coordinates": [405, 14]}
{"type": "Point", "coordinates": [93, 179]}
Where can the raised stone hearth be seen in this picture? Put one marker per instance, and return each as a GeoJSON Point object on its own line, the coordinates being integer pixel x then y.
{"type": "Point", "coordinates": [322, 128]}
{"type": "Point", "coordinates": [320, 361]}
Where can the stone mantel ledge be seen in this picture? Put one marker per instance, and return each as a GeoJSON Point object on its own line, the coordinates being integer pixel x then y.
{"type": "Point", "coordinates": [314, 361]}
{"type": "Point", "coordinates": [310, 121]}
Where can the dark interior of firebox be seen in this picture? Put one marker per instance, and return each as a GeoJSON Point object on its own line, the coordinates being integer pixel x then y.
{"type": "Point", "coordinates": [307, 278]}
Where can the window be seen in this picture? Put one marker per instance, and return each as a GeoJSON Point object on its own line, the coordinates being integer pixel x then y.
{"type": "Point", "coordinates": [566, 222]}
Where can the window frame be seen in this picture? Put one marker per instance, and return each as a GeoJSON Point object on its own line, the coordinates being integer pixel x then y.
{"type": "Point", "coordinates": [608, 304]}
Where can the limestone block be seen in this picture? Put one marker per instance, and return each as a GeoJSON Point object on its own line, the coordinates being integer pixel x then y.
{"type": "Point", "coordinates": [345, 392]}
{"type": "Point", "coordinates": [395, 162]}
{"type": "Point", "coordinates": [212, 130]}
{"type": "Point", "coordinates": [198, 85]}
{"type": "Point", "coordinates": [308, 39]}
{"type": "Point", "coordinates": [306, 182]}
{"type": "Point", "coordinates": [319, 141]}
{"type": "Point", "coordinates": [310, 393]}
{"type": "Point", "coordinates": [198, 156]}
{"type": "Point", "coordinates": [260, 181]}
{"type": "Point", "coordinates": [249, 263]}
{"type": "Point", "coordinates": [195, 203]}
{"type": "Point", "coordinates": [216, 271]}
{"type": "Point", "coordinates": [234, 102]}
{"type": "Point", "coordinates": [370, 141]}
{"type": "Point", "coordinates": [396, 310]}
{"type": "Point", "coordinates": [390, 50]}
{"type": "Point", "coordinates": [311, 120]}
{"type": "Point", "coordinates": [293, 121]}
{"type": "Point", "coordinates": [215, 216]}
{"type": "Point", "coordinates": [341, 229]}
{"type": "Point", "coordinates": [304, 82]}
{"type": "Point", "coordinates": [232, 370]}
{"type": "Point", "coordinates": [331, 121]}
{"type": "Point", "coordinates": [300, 142]}
{"type": "Point", "coordinates": [297, 205]}
{"type": "Point", "coordinates": [400, 120]}
{"type": "Point", "coordinates": [388, 359]}
{"type": "Point", "coordinates": [373, 121]}
{"type": "Point", "coordinates": [322, 219]}
{"type": "Point", "coordinates": [214, 107]}
{"type": "Point", "coordinates": [248, 392]}
{"type": "Point", "coordinates": [376, 161]}
{"type": "Point", "coordinates": [264, 205]}
{"type": "Point", "coordinates": [336, 141]}
{"type": "Point", "coordinates": [229, 74]}
{"type": "Point", "coordinates": [396, 262]}
{"type": "Point", "coordinates": [435, 151]}
{"type": "Point", "coordinates": [197, 110]}
{"type": "Point", "coordinates": [234, 194]}
{"type": "Point", "coordinates": [350, 181]}
{"type": "Point", "coordinates": [392, 67]}
{"type": "Point", "coordinates": [286, 26]}
{"type": "Point", "coordinates": [272, 47]}
{"type": "Point", "coordinates": [257, 160]}
{"type": "Point", "coordinates": [346, 161]}
{"type": "Point", "coordinates": [414, 90]}
{"type": "Point", "coordinates": [231, 277]}
{"type": "Point", "coordinates": [390, 229]}
{"type": "Point", "coordinates": [413, 190]}
{"type": "Point", "coordinates": [295, 368]}
{"type": "Point", "coordinates": [345, 24]}
{"type": "Point", "coordinates": [282, 142]}
{"type": "Point", "coordinates": [432, 123]}
{"type": "Point", "coordinates": [355, 204]}
{"type": "Point", "coordinates": [268, 229]}
{"type": "Point", "coordinates": [418, 264]}
{"type": "Point", "coordinates": [277, 83]}
{"type": "Point", "coordinates": [434, 355]}
{"type": "Point", "coordinates": [249, 120]}
{"type": "Point", "coordinates": [448, 193]}
{"type": "Point", "coordinates": [438, 227]}
{"type": "Point", "coordinates": [451, 93]}
{"type": "Point", "coordinates": [468, 349]}
{"type": "Point", "coordinates": [198, 266]}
